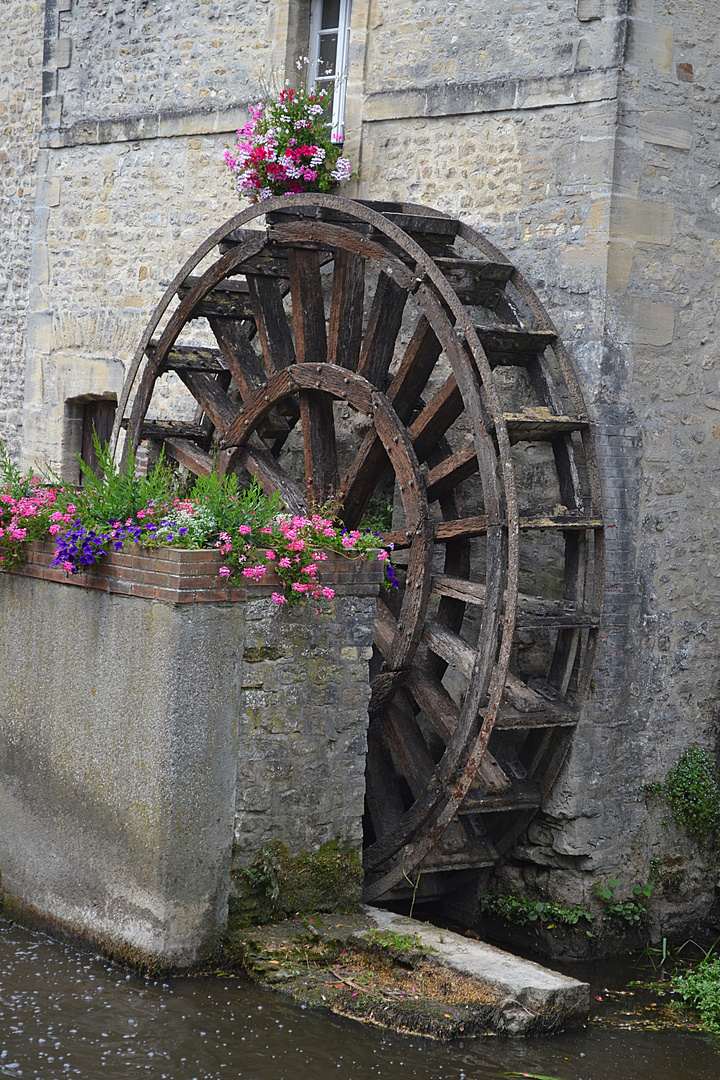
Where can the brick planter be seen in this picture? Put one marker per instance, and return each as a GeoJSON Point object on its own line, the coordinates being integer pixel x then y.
{"type": "Point", "coordinates": [156, 726]}
{"type": "Point", "coordinates": [187, 575]}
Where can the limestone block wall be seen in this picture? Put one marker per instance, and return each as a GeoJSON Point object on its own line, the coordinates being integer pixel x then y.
{"type": "Point", "coordinates": [657, 678]}
{"type": "Point", "coordinates": [21, 57]}
{"type": "Point", "coordinates": [155, 726]}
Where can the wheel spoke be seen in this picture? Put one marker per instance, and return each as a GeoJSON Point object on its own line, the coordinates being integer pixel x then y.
{"type": "Point", "coordinates": [346, 310]}
{"type": "Point", "coordinates": [237, 352]}
{"type": "Point", "coordinates": [383, 327]}
{"type": "Point", "coordinates": [366, 470]}
{"type": "Point", "coordinates": [316, 409]}
{"type": "Point", "coordinates": [272, 325]}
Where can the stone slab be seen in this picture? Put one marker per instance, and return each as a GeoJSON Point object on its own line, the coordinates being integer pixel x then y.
{"type": "Point", "coordinates": [527, 990]}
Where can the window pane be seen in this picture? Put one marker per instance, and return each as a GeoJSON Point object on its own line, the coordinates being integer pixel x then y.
{"type": "Point", "coordinates": [328, 54]}
{"type": "Point", "coordinates": [330, 14]}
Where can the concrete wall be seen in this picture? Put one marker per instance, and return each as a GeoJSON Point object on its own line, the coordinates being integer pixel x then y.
{"type": "Point", "coordinates": [145, 744]}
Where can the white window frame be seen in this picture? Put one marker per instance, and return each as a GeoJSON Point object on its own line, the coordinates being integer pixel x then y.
{"type": "Point", "coordinates": [339, 79]}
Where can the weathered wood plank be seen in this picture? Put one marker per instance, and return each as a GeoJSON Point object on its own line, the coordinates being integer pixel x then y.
{"type": "Point", "coordinates": [532, 611]}
{"type": "Point", "coordinates": [451, 471]}
{"type": "Point", "coordinates": [511, 345]}
{"type": "Point", "coordinates": [442, 712]}
{"type": "Point", "coordinates": [383, 326]}
{"type": "Point", "coordinates": [193, 358]}
{"type": "Point", "coordinates": [438, 415]}
{"type": "Point", "coordinates": [346, 310]}
{"type": "Point", "coordinates": [457, 652]}
{"type": "Point", "coordinates": [271, 321]}
{"type": "Point", "coordinates": [404, 739]}
{"type": "Point", "coordinates": [208, 393]}
{"type": "Point", "coordinates": [316, 409]}
{"type": "Point", "coordinates": [228, 298]}
{"type": "Point", "coordinates": [476, 281]}
{"type": "Point", "coordinates": [382, 791]}
{"type": "Point", "coordinates": [241, 359]}
{"type": "Point", "coordinates": [190, 455]}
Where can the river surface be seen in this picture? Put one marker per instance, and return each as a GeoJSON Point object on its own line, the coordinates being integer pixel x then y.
{"type": "Point", "coordinates": [68, 1013]}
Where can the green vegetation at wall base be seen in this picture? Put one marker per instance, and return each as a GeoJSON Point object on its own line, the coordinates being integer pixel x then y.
{"type": "Point", "coordinates": [278, 885]}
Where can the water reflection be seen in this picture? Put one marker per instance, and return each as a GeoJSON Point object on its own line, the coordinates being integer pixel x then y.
{"type": "Point", "coordinates": [65, 1013]}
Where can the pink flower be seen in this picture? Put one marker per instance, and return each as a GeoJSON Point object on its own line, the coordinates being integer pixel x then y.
{"type": "Point", "coordinates": [254, 572]}
{"type": "Point", "coordinates": [328, 593]}
{"type": "Point", "coordinates": [54, 529]}
{"type": "Point", "coordinates": [382, 555]}
{"type": "Point", "coordinates": [347, 542]}
{"type": "Point", "coordinates": [244, 529]}
{"type": "Point", "coordinates": [284, 562]}
{"type": "Point", "coordinates": [311, 568]}
{"type": "Point", "coordinates": [278, 598]}
{"type": "Point", "coordinates": [224, 571]}
{"type": "Point", "coordinates": [67, 567]}
{"type": "Point", "coordinates": [270, 555]}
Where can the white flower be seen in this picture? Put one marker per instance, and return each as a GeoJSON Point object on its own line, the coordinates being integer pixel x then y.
{"type": "Point", "coordinates": [342, 169]}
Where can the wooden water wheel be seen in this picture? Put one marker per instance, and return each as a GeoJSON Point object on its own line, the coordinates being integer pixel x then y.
{"type": "Point", "coordinates": [385, 350]}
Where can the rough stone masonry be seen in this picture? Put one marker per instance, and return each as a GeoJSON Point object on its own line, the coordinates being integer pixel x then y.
{"type": "Point", "coordinates": [581, 136]}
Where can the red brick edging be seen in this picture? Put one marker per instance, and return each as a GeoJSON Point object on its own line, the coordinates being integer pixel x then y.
{"type": "Point", "coordinates": [186, 575]}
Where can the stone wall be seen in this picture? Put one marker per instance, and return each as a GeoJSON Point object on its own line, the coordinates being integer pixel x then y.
{"type": "Point", "coordinates": [21, 58]}
{"type": "Point", "coordinates": [154, 728]}
{"type": "Point", "coordinates": [657, 678]}
{"type": "Point", "coordinates": [581, 136]}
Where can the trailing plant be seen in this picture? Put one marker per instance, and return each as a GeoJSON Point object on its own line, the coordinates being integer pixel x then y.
{"type": "Point", "coordinates": [286, 147]}
{"type": "Point", "coordinates": [29, 510]}
{"type": "Point", "coordinates": [632, 910]}
{"type": "Point", "coordinates": [522, 910]}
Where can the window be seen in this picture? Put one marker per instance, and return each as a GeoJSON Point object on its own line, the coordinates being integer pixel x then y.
{"type": "Point", "coordinates": [329, 40]}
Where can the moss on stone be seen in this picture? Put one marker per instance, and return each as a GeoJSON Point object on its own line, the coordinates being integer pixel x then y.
{"type": "Point", "coordinates": [278, 884]}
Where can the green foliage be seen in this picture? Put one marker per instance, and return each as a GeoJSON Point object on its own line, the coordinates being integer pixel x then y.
{"type": "Point", "coordinates": [692, 789]}
{"type": "Point", "coordinates": [520, 909]}
{"type": "Point", "coordinates": [393, 942]}
{"type": "Point", "coordinates": [232, 506]}
{"type": "Point", "coordinates": [701, 989]}
{"type": "Point", "coordinates": [377, 517]}
{"type": "Point", "coordinates": [277, 885]}
{"type": "Point", "coordinates": [11, 479]}
{"type": "Point", "coordinates": [117, 494]}
{"type": "Point", "coordinates": [632, 910]}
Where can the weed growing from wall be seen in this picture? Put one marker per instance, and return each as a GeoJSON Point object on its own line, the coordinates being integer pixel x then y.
{"type": "Point", "coordinates": [691, 789]}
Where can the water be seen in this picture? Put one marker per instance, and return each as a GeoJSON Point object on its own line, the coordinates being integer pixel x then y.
{"type": "Point", "coordinates": [67, 1013]}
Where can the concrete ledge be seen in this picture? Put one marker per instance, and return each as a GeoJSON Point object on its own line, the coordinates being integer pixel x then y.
{"type": "Point", "coordinates": [496, 95]}
{"type": "Point", "coordinates": [409, 976]}
{"type": "Point", "coordinates": [531, 998]}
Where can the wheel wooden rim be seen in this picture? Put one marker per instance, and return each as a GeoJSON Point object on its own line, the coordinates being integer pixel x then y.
{"type": "Point", "coordinates": [267, 375]}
